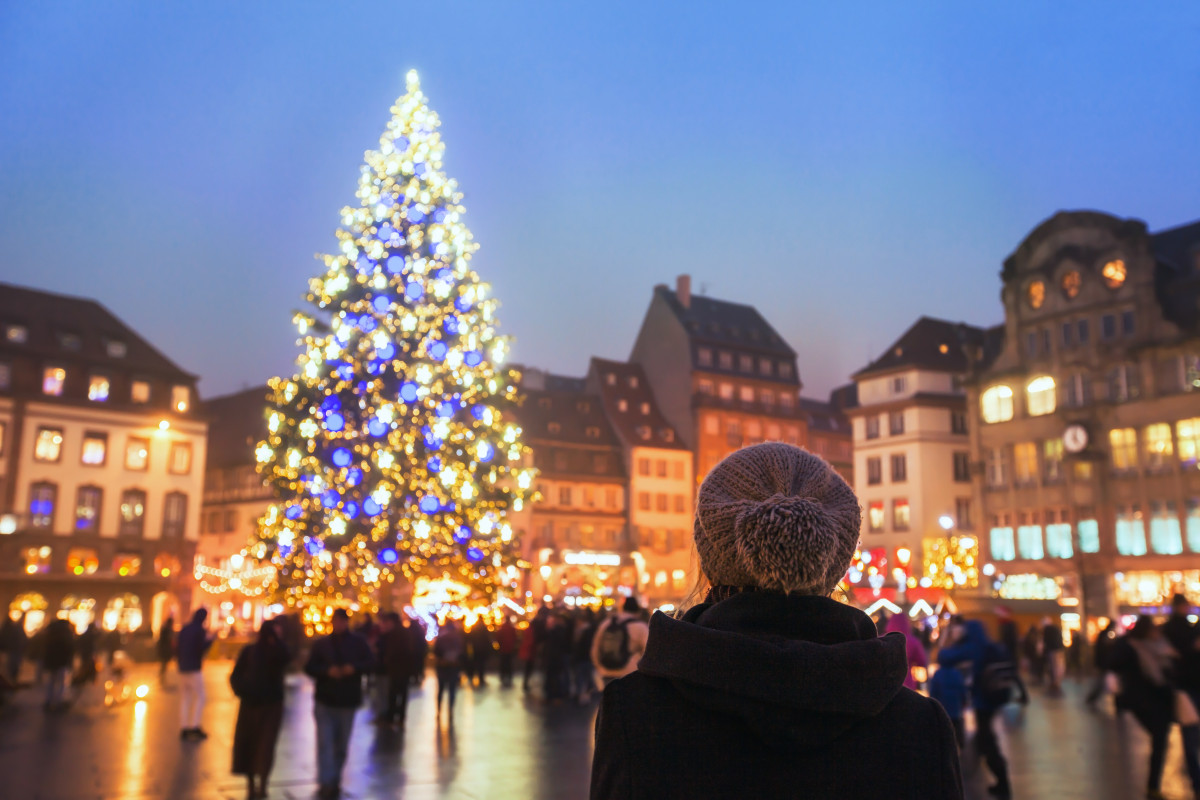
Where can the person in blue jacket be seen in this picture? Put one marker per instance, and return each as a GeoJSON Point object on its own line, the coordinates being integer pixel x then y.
{"type": "Point", "coordinates": [973, 649]}
{"type": "Point", "coordinates": [949, 687]}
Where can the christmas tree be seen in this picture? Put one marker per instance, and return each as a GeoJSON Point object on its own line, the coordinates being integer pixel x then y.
{"type": "Point", "coordinates": [393, 450]}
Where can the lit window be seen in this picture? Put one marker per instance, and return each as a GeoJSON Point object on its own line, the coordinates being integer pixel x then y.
{"type": "Point", "coordinates": [127, 564]}
{"type": "Point", "coordinates": [37, 560]}
{"type": "Point", "coordinates": [98, 389]}
{"type": "Point", "coordinates": [773, 431]}
{"type": "Point", "coordinates": [746, 394]}
{"type": "Point", "coordinates": [1025, 462]}
{"type": "Point", "coordinates": [643, 466]}
{"type": "Point", "coordinates": [1158, 445]}
{"type": "Point", "coordinates": [1187, 431]}
{"type": "Point", "coordinates": [82, 561]}
{"type": "Point", "coordinates": [1039, 396]}
{"type": "Point", "coordinates": [87, 509]}
{"type": "Point", "coordinates": [1002, 544]}
{"type": "Point", "coordinates": [42, 499]}
{"type": "Point", "coordinates": [48, 446]}
{"type": "Point", "coordinates": [17, 334]}
{"type": "Point", "coordinates": [712, 424]}
{"type": "Point", "coordinates": [115, 348]}
{"type": "Point", "coordinates": [137, 453]}
{"type": "Point", "coordinates": [1071, 282]}
{"type": "Point", "coordinates": [53, 379]}
{"type": "Point", "coordinates": [1052, 452]}
{"type": "Point", "coordinates": [1166, 537]}
{"type": "Point", "coordinates": [166, 565]}
{"type": "Point", "coordinates": [1124, 383]}
{"type": "Point", "coordinates": [645, 408]}
{"type": "Point", "coordinates": [875, 516]}
{"type": "Point", "coordinates": [1114, 273]}
{"type": "Point", "coordinates": [1123, 442]}
{"type": "Point", "coordinates": [1089, 536]}
{"type": "Point", "coordinates": [900, 515]}
{"type": "Point", "coordinates": [786, 400]}
{"type": "Point", "coordinates": [705, 387]}
{"type": "Point", "coordinates": [704, 357]}
{"type": "Point", "coordinates": [997, 467]}
{"type": "Point", "coordinates": [140, 392]}
{"type": "Point", "coordinates": [1037, 294]}
{"type": "Point", "coordinates": [133, 512]}
{"type": "Point", "coordinates": [1058, 537]}
{"type": "Point", "coordinates": [95, 449]}
{"type": "Point", "coordinates": [179, 398]}
{"type": "Point", "coordinates": [1029, 542]}
{"type": "Point", "coordinates": [997, 404]}
{"type": "Point", "coordinates": [1131, 532]}
{"type": "Point", "coordinates": [725, 391]}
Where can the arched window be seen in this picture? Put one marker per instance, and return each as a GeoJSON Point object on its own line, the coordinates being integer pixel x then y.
{"type": "Point", "coordinates": [1040, 396]}
{"type": "Point", "coordinates": [996, 404]}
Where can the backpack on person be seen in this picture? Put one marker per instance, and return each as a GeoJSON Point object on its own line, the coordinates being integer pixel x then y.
{"type": "Point", "coordinates": [613, 650]}
{"type": "Point", "coordinates": [997, 676]}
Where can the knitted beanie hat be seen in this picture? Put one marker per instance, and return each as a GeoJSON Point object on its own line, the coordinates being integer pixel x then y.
{"type": "Point", "coordinates": [775, 516]}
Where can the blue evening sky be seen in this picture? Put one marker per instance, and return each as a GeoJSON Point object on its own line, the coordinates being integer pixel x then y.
{"type": "Point", "coordinates": [846, 167]}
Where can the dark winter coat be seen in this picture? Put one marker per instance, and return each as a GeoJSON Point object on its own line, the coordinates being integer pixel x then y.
{"type": "Point", "coordinates": [767, 696]}
{"type": "Point", "coordinates": [258, 673]}
{"type": "Point", "coordinates": [1182, 636]}
{"type": "Point", "coordinates": [1153, 704]}
{"type": "Point", "coordinates": [193, 643]}
{"type": "Point", "coordinates": [334, 650]}
{"type": "Point", "coordinates": [59, 650]}
{"type": "Point", "coordinates": [395, 653]}
{"type": "Point", "coordinates": [972, 652]}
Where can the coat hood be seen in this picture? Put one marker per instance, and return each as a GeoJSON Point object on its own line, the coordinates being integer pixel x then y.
{"type": "Point", "coordinates": [796, 670]}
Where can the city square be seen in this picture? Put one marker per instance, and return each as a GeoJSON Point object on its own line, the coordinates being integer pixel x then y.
{"type": "Point", "coordinates": [808, 403]}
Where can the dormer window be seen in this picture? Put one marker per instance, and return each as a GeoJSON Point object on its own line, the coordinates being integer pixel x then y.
{"type": "Point", "coordinates": [785, 369]}
{"type": "Point", "coordinates": [53, 379]}
{"type": "Point", "coordinates": [553, 427]}
{"type": "Point", "coordinates": [622, 405]}
{"type": "Point", "coordinates": [644, 432]}
{"type": "Point", "coordinates": [115, 348]}
{"type": "Point", "coordinates": [180, 398]}
{"type": "Point", "coordinates": [70, 341]}
{"type": "Point", "coordinates": [645, 408]}
{"type": "Point", "coordinates": [668, 435]}
{"type": "Point", "coordinates": [633, 382]}
{"type": "Point", "coordinates": [139, 392]}
{"type": "Point", "coordinates": [611, 379]}
{"type": "Point", "coordinates": [16, 334]}
{"type": "Point", "coordinates": [593, 432]}
{"type": "Point", "coordinates": [583, 406]}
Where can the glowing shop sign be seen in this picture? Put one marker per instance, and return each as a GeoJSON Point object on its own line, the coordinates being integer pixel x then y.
{"type": "Point", "coordinates": [1030, 587]}
{"type": "Point", "coordinates": [586, 558]}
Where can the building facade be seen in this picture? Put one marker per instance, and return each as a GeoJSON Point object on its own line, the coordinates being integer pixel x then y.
{"type": "Point", "coordinates": [1086, 423]}
{"type": "Point", "coordinates": [829, 432]}
{"type": "Point", "coordinates": [723, 377]}
{"type": "Point", "coordinates": [102, 457]}
{"type": "Point", "coordinates": [235, 498]}
{"type": "Point", "coordinates": [912, 455]}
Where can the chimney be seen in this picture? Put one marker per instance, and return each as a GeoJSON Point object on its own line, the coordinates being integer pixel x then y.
{"type": "Point", "coordinates": [683, 290]}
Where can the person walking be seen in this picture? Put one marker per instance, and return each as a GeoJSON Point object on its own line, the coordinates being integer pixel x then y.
{"type": "Point", "coordinates": [480, 640]}
{"type": "Point", "coordinates": [619, 643]}
{"type": "Point", "coordinates": [1054, 656]}
{"type": "Point", "coordinates": [58, 657]}
{"type": "Point", "coordinates": [583, 673]}
{"type": "Point", "coordinates": [770, 688]}
{"type": "Point", "coordinates": [418, 650]}
{"type": "Point", "coordinates": [86, 646]}
{"type": "Point", "coordinates": [1034, 657]}
{"type": "Point", "coordinates": [257, 680]}
{"type": "Point", "coordinates": [164, 648]}
{"type": "Point", "coordinates": [13, 642]}
{"type": "Point", "coordinates": [194, 642]}
{"type": "Point", "coordinates": [917, 657]}
{"type": "Point", "coordinates": [992, 682]}
{"type": "Point", "coordinates": [1101, 653]}
{"type": "Point", "coordinates": [395, 664]}
{"type": "Point", "coordinates": [1010, 638]}
{"type": "Point", "coordinates": [337, 664]}
{"type": "Point", "coordinates": [449, 650]}
{"type": "Point", "coordinates": [506, 646]}
{"type": "Point", "coordinates": [556, 658]}
{"type": "Point", "coordinates": [531, 643]}
{"type": "Point", "coordinates": [949, 687]}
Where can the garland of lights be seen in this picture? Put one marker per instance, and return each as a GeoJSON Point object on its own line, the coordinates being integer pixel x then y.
{"type": "Point", "coordinates": [242, 577]}
{"type": "Point", "coordinates": [392, 450]}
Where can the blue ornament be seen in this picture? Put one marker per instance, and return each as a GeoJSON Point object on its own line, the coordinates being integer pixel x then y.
{"type": "Point", "coordinates": [388, 555]}
{"type": "Point", "coordinates": [285, 550]}
{"type": "Point", "coordinates": [387, 200]}
{"type": "Point", "coordinates": [313, 546]}
{"type": "Point", "coordinates": [414, 214]}
{"type": "Point", "coordinates": [474, 554]}
{"type": "Point", "coordinates": [437, 351]}
{"type": "Point", "coordinates": [439, 215]}
{"type": "Point", "coordinates": [330, 403]}
{"type": "Point", "coordinates": [293, 512]}
{"type": "Point", "coordinates": [462, 535]}
{"type": "Point", "coordinates": [395, 264]}
{"type": "Point", "coordinates": [414, 291]}
{"type": "Point", "coordinates": [462, 304]}
{"type": "Point", "coordinates": [370, 507]}
{"type": "Point", "coordinates": [408, 392]}
{"type": "Point", "coordinates": [419, 168]}
{"type": "Point", "coordinates": [473, 358]}
{"type": "Point", "coordinates": [429, 504]}
{"type": "Point", "coordinates": [445, 410]}
{"type": "Point", "coordinates": [434, 464]}
{"type": "Point", "coordinates": [400, 143]}
{"type": "Point", "coordinates": [451, 325]}
{"type": "Point", "coordinates": [381, 303]}
{"type": "Point", "coordinates": [335, 422]}
{"type": "Point", "coordinates": [368, 323]}
{"type": "Point", "coordinates": [365, 264]}
{"type": "Point", "coordinates": [388, 234]}
{"type": "Point", "coordinates": [346, 372]}
{"type": "Point", "coordinates": [351, 509]}
{"type": "Point", "coordinates": [353, 476]}
{"type": "Point", "coordinates": [375, 366]}
{"type": "Point", "coordinates": [433, 248]}
{"type": "Point", "coordinates": [341, 457]}
{"type": "Point", "coordinates": [485, 452]}
{"type": "Point", "coordinates": [478, 412]}
{"type": "Point", "coordinates": [330, 498]}
{"type": "Point", "coordinates": [445, 273]}
{"type": "Point", "coordinates": [377, 427]}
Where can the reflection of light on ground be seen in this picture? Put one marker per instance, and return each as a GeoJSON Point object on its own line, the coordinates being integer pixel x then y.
{"type": "Point", "coordinates": [136, 757]}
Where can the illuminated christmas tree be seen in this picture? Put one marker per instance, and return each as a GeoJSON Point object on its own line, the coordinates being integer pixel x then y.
{"type": "Point", "coordinates": [393, 450]}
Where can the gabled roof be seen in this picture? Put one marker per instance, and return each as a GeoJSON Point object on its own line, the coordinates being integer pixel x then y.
{"type": "Point", "coordinates": [1177, 274]}
{"type": "Point", "coordinates": [236, 424]}
{"type": "Point", "coordinates": [49, 317]}
{"type": "Point", "coordinates": [566, 427]}
{"type": "Point", "coordinates": [725, 324]}
{"type": "Point", "coordinates": [630, 405]}
{"type": "Point", "coordinates": [1178, 246]}
{"type": "Point", "coordinates": [932, 344]}
{"type": "Point", "coordinates": [823, 416]}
